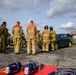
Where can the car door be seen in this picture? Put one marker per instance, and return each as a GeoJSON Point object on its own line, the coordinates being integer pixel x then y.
{"type": "Point", "coordinates": [61, 40]}
{"type": "Point", "coordinates": [65, 39]}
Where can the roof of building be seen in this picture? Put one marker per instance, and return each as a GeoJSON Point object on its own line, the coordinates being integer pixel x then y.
{"type": "Point", "coordinates": [73, 32]}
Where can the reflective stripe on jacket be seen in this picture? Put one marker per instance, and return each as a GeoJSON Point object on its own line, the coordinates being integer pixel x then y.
{"type": "Point", "coordinates": [52, 35]}
{"type": "Point", "coordinates": [31, 31]}
{"type": "Point", "coordinates": [17, 31]}
{"type": "Point", "coordinates": [45, 36]}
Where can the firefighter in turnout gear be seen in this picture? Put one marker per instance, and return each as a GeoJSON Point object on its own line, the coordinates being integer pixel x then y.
{"type": "Point", "coordinates": [8, 40]}
{"type": "Point", "coordinates": [38, 37]}
{"type": "Point", "coordinates": [31, 37]}
{"type": "Point", "coordinates": [52, 38]}
{"type": "Point", "coordinates": [0, 40]}
{"type": "Point", "coordinates": [23, 40]}
{"type": "Point", "coordinates": [3, 37]}
{"type": "Point", "coordinates": [45, 39]}
{"type": "Point", "coordinates": [17, 34]}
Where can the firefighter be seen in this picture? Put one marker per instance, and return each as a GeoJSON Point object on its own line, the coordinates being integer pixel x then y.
{"type": "Point", "coordinates": [52, 38]}
{"type": "Point", "coordinates": [23, 41]}
{"type": "Point", "coordinates": [45, 39]}
{"type": "Point", "coordinates": [8, 40]}
{"type": "Point", "coordinates": [38, 36]}
{"type": "Point", "coordinates": [3, 32]}
{"type": "Point", "coordinates": [17, 34]}
{"type": "Point", "coordinates": [0, 40]}
{"type": "Point", "coordinates": [31, 38]}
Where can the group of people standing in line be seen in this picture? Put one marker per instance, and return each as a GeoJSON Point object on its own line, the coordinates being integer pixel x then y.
{"type": "Point", "coordinates": [47, 38]}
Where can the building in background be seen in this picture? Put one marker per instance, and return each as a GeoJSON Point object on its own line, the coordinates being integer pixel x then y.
{"type": "Point", "coordinates": [73, 34]}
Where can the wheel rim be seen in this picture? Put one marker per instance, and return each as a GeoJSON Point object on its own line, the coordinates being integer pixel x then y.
{"type": "Point", "coordinates": [56, 46]}
{"type": "Point", "coordinates": [70, 44]}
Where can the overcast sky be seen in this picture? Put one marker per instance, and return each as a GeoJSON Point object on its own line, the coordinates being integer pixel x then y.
{"type": "Point", "coordinates": [61, 14]}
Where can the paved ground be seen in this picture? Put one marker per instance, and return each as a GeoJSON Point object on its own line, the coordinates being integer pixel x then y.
{"type": "Point", "coordinates": [61, 57]}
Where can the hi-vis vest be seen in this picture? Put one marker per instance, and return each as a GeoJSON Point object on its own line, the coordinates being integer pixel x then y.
{"type": "Point", "coordinates": [17, 31]}
{"type": "Point", "coordinates": [52, 35]}
{"type": "Point", "coordinates": [45, 36]}
{"type": "Point", "coordinates": [31, 31]}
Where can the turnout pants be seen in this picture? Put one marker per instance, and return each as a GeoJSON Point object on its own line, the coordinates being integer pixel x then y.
{"type": "Point", "coordinates": [45, 46]}
{"type": "Point", "coordinates": [31, 44]}
{"type": "Point", "coordinates": [3, 43]}
{"type": "Point", "coordinates": [52, 45]}
{"type": "Point", "coordinates": [16, 44]}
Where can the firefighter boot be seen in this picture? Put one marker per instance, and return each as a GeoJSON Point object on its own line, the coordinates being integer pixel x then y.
{"type": "Point", "coordinates": [4, 52]}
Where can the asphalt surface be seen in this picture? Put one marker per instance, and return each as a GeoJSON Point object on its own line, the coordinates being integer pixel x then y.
{"type": "Point", "coordinates": [61, 57]}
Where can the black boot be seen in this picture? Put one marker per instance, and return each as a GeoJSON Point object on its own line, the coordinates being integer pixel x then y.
{"type": "Point", "coordinates": [1, 51]}
{"type": "Point", "coordinates": [4, 52]}
{"type": "Point", "coordinates": [18, 53]}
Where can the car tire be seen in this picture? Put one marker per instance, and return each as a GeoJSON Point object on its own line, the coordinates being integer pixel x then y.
{"type": "Point", "coordinates": [56, 46]}
{"type": "Point", "coordinates": [70, 44]}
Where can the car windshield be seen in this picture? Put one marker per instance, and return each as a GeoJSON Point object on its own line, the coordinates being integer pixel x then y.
{"type": "Point", "coordinates": [59, 36]}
